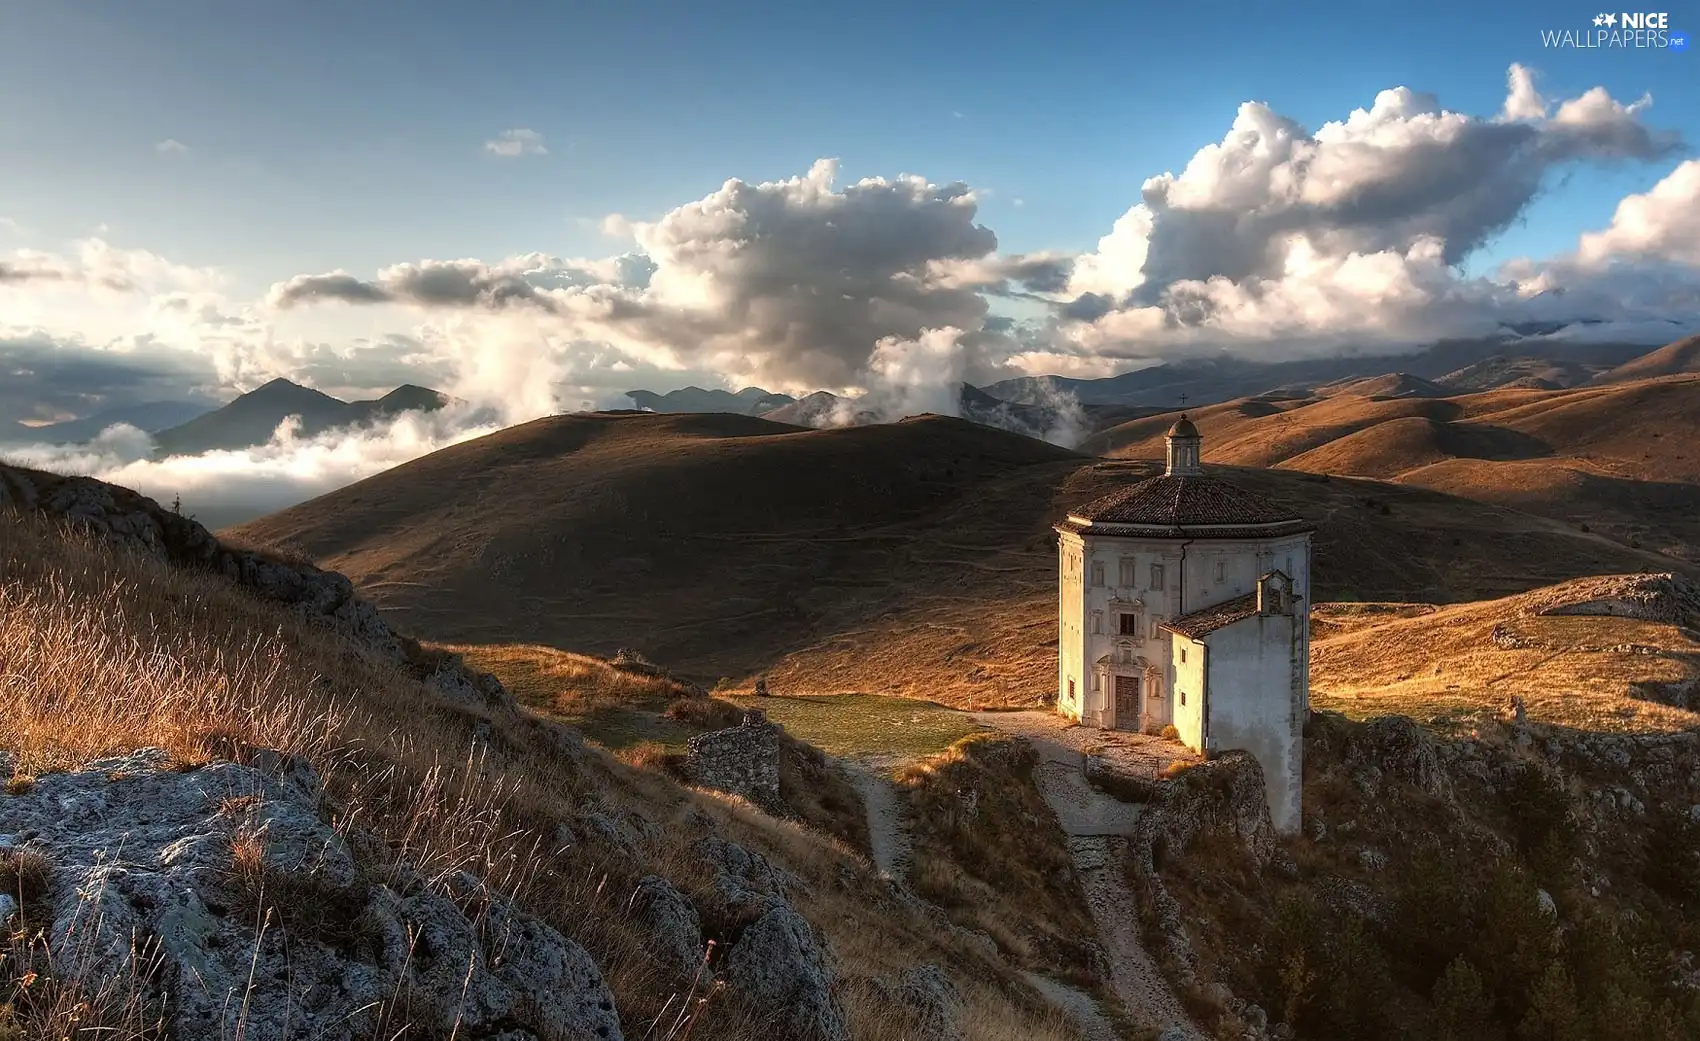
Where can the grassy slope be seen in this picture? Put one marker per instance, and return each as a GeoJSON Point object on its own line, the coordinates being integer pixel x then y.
{"type": "Point", "coordinates": [1439, 665]}
{"type": "Point", "coordinates": [1619, 457]}
{"type": "Point", "coordinates": [79, 624]}
{"type": "Point", "coordinates": [913, 558]}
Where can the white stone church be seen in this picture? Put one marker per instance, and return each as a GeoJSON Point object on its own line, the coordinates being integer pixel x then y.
{"type": "Point", "coordinates": [1183, 601]}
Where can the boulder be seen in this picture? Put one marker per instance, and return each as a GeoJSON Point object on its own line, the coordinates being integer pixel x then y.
{"type": "Point", "coordinates": [672, 928]}
{"type": "Point", "coordinates": [783, 971]}
{"type": "Point", "coordinates": [931, 1001]}
{"type": "Point", "coordinates": [243, 913]}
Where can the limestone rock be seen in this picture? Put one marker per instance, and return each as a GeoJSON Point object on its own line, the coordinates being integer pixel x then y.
{"type": "Point", "coordinates": [781, 969]}
{"type": "Point", "coordinates": [673, 928]}
{"type": "Point", "coordinates": [259, 911]}
{"type": "Point", "coordinates": [933, 1002]}
{"type": "Point", "coordinates": [743, 881]}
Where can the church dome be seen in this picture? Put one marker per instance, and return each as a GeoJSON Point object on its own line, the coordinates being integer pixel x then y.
{"type": "Point", "coordinates": [1186, 507]}
{"type": "Point", "coordinates": [1183, 428]}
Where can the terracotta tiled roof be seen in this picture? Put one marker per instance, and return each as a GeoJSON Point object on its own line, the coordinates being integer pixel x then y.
{"type": "Point", "coordinates": [1181, 502]}
{"type": "Point", "coordinates": [1263, 532]}
{"type": "Point", "coordinates": [1200, 624]}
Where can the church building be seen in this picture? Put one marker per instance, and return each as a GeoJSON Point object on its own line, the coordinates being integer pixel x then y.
{"type": "Point", "coordinates": [1184, 602]}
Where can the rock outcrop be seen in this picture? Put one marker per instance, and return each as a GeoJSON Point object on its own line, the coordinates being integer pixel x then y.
{"type": "Point", "coordinates": [776, 963]}
{"type": "Point", "coordinates": [134, 522]}
{"type": "Point", "coordinates": [245, 914]}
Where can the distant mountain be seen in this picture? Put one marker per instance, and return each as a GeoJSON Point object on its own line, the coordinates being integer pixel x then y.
{"type": "Point", "coordinates": [817, 410]}
{"type": "Point", "coordinates": [150, 417]}
{"type": "Point", "coordinates": [1392, 385]}
{"type": "Point", "coordinates": [751, 401]}
{"type": "Point", "coordinates": [251, 419]}
{"type": "Point", "coordinates": [1525, 372]}
{"type": "Point", "coordinates": [1669, 360]}
{"type": "Point", "coordinates": [1224, 378]}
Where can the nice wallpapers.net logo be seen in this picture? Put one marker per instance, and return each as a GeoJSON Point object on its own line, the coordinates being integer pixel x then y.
{"type": "Point", "coordinates": [1619, 30]}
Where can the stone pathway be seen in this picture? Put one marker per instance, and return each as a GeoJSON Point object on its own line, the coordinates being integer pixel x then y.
{"type": "Point", "coordinates": [888, 825]}
{"type": "Point", "coordinates": [1134, 975]}
{"type": "Point", "coordinates": [1097, 825]}
{"type": "Point", "coordinates": [1076, 1005]}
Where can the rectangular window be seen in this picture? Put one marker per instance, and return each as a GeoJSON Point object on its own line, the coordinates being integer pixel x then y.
{"type": "Point", "coordinates": [1183, 655]}
{"type": "Point", "coordinates": [1221, 571]}
{"type": "Point", "coordinates": [1289, 570]}
{"type": "Point", "coordinates": [1097, 623]}
{"type": "Point", "coordinates": [1096, 684]}
{"type": "Point", "coordinates": [1157, 576]}
{"type": "Point", "coordinates": [1128, 624]}
{"type": "Point", "coordinates": [1071, 690]}
{"type": "Point", "coordinates": [1098, 574]}
{"type": "Point", "coordinates": [1183, 697]}
{"type": "Point", "coordinates": [1127, 575]}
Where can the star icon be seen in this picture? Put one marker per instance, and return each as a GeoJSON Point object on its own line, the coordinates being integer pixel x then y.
{"type": "Point", "coordinates": [1599, 19]}
{"type": "Point", "coordinates": [1611, 20]}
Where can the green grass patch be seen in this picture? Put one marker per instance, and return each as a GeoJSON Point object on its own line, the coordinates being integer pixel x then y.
{"type": "Point", "coordinates": [866, 724]}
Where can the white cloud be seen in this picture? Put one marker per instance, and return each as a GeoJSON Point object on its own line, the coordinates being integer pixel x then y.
{"type": "Point", "coordinates": [171, 146]}
{"type": "Point", "coordinates": [511, 144]}
{"type": "Point", "coordinates": [1305, 241]}
{"type": "Point", "coordinates": [228, 487]}
{"type": "Point", "coordinates": [1661, 224]}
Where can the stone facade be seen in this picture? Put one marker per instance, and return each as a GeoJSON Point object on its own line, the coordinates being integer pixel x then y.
{"type": "Point", "coordinates": [741, 760]}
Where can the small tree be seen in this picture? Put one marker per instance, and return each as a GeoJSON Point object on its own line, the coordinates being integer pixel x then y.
{"type": "Point", "coordinates": [1462, 1008]}
{"type": "Point", "coordinates": [1553, 1012]}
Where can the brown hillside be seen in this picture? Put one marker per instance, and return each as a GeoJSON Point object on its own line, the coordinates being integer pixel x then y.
{"type": "Point", "coordinates": [1619, 458]}
{"type": "Point", "coordinates": [910, 558]}
{"type": "Point", "coordinates": [1463, 662]}
{"type": "Point", "coordinates": [1669, 360]}
{"type": "Point", "coordinates": [1391, 385]}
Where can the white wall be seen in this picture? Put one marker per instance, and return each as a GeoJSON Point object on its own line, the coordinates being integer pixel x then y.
{"type": "Point", "coordinates": [1187, 661]}
{"type": "Point", "coordinates": [1070, 559]}
{"type": "Point", "coordinates": [1253, 705]}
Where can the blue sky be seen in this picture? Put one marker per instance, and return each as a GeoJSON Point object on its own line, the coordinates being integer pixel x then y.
{"type": "Point", "coordinates": [349, 135]}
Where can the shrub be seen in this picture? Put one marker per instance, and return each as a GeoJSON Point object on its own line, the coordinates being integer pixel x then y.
{"type": "Point", "coordinates": [1170, 733]}
{"type": "Point", "coordinates": [1462, 1010]}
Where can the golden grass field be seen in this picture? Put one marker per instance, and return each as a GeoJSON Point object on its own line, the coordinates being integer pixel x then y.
{"type": "Point", "coordinates": [1439, 665]}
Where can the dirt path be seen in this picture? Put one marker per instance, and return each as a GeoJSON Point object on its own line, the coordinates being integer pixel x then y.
{"type": "Point", "coordinates": [1134, 976]}
{"type": "Point", "coordinates": [1097, 825]}
{"type": "Point", "coordinates": [888, 825]}
{"type": "Point", "coordinates": [1076, 1005]}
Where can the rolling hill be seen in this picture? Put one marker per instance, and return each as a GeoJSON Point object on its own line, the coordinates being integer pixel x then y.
{"type": "Point", "coordinates": [1672, 359]}
{"type": "Point", "coordinates": [914, 557]}
{"type": "Point", "coordinates": [1618, 457]}
{"type": "Point", "coordinates": [1481, 364]}
{"type": "Point", "coordinates": [251, 419]}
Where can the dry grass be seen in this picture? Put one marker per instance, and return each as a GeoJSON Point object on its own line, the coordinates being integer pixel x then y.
{"type": "Point", "coordinates": [989, 851]}
{"type": "Point", "coordinates": [103, 653]}
{"type": "Point", "coordinates": [1442, 667]}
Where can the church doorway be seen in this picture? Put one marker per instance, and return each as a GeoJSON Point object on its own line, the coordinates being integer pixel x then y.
{"type": "Point", "coordinates": [1128, 708]}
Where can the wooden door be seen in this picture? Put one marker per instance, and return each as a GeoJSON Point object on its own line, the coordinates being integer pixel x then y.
{"type": "Point", "coordinates": [1127, 703]}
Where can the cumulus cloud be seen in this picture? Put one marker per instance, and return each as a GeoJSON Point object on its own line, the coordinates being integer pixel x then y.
{"type": "Point", "coordinates": [511, 144]}
{"type": "Point", "coordinates": [1347, 232]}
{"type": "Point", "coordinates": [1659, 225]}
{"type": "Point", "coordinates": [792, 283]}
{"type": "Point", "coordinates": [171, 146]}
